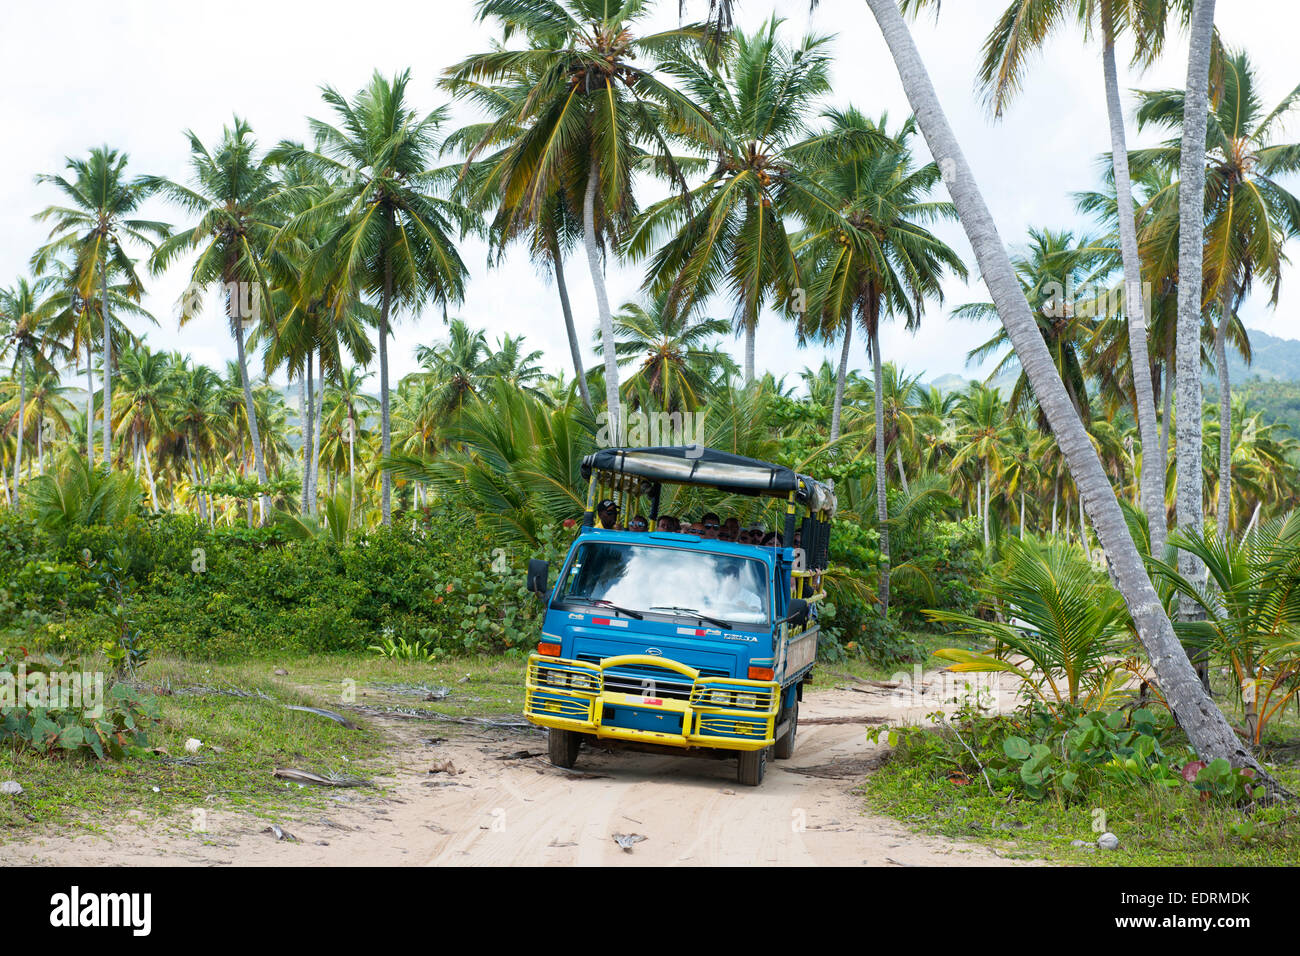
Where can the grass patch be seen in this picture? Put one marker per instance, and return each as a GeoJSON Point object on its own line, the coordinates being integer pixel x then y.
{"type": "Point", "coordinates": [247, 737]}
{"type": "Point", "coordinates": [941, 790]}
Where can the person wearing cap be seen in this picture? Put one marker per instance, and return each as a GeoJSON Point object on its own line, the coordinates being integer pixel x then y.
{"type": "Point", "coordinates": [607, 515]}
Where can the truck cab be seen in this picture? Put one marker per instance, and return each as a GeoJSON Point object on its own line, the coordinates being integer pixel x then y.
{"type": "Point", "coordinates": [677, 642]}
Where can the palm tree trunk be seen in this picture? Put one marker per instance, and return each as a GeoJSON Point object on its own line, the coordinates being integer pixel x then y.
{"type": "Point", "coordinates": [841, 375]}
{"type": "Point", "coordinates": [1190, 261]}
{"type": "Point", "coordinates": [751, 334]}
{"type": "Point", "coordinates": [602, 300]}
{"type": "Point", "coordinates": [264, 501]}
{"type": "Point", "coordinates": [557, 264]}
{"type": "Point", "coordinates": [108, 365]}
{"type": "Point", "coordinates": [194, 481]}
{"type": "Point", "coordinates": [352, 464]}
{"type": "Point", "coordinates": [986, 503]}
{"type": "Point", "coordinates": [1056, 496]}
{"type": "Point", "coordinates": [1165, 421]}
{"type": "Point", "coordinates": [1223, 512]}
{"type": "Point", "coordinates": [305, 407]}
{"type": "Point", "coordinates": [1191, 224]}
{"type": "Point", "coordinates": [1204, 724]}
{"type": "Point", "coordinates": [385, 435]}
{"type": "Point", "coordinates": [90, 398]}
{"type": "Point", "coordinates": [22, 410]}
{"type": "Point", "coordinates": [898, 458]}
{"type": "Point", "coordinates": [882, 502]}
{"type": "Point", "coordinates": [1152, 479]}
{"type": "Point", "coordinates": [40, 436]}
{"type": "Point", "coordinates": [1022, 514]}
{"type": "Point", "coordinates": [317, 415]}
{"type": "Point", "coordinates": [148, 471]}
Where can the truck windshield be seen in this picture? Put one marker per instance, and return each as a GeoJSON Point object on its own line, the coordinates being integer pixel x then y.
{"type": "Point", "coordinates": [668, 580]}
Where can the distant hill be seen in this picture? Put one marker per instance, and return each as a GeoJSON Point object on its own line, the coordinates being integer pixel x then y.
{"type": "Point", "coordinates": [1276, 360]}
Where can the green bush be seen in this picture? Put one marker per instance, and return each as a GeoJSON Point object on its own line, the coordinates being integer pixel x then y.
{"type": "Point", "coordinates": [434, 578]}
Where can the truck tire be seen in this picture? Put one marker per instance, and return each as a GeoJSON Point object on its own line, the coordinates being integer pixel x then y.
{"type": "Point", "coordinates": [563, 746]}
{"type": "Point", "coordinates": [751, 766]}
{"type": "Point", "coordinates": [783, 749]}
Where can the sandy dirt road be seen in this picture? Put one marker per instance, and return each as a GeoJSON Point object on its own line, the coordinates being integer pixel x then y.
{"type": "Point", "coordinates": [522, 811]}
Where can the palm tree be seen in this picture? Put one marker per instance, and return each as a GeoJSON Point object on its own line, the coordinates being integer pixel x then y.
{"type": "Point", "coordinates": [457, 368]}
{"type": "Point", "coordinates": [870, 256]}
{"type": "Point", "coordinates": [674, 365]}
{"type": "Point", "coordinates": [589, 117]}
{"type": "Point", "coordinates": [147, 392]}
{"type": "Point", "coordinates": [234, 195]}
{"type": "Point", "coordinates": [354, 404]}
{"type": "Point", "coordinates": [1249, 214]}
{"type": "Point", "coordinates": [731, 231]}
{"type": "Point", "coordinates": [1025, 27]}
{"type": "Point", "coordinates": [78, 321]}
{"type": "Point", "coordinates": [1202, 721]}
{"type": "Point", "coordinates": [385, 231]}
{"type": "Point", "coordinates": [90, 231]}
{"type": "Point", "coordinates": [1049, 270]}
{"type": "Point", "coordinates": [24, 335]}
{"type": "Point", "coordinates": [195, 419]}
{"type": "Point", "coordinates": [550, 227]}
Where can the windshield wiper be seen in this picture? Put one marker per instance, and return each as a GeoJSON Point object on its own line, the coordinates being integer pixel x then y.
{"type": "Point", "coordinates": [601, 602]}
{"type": "Point", "coordinates": [694, 613]}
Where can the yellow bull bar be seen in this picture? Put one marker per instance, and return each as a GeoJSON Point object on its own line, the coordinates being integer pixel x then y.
{"type": "Point", "coordinates": [730, 713]}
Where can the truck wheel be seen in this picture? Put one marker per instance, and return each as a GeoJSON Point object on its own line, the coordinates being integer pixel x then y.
{"type": "Point", "coordinates": [751, 766]}
{"type": "Point", "coordinates": [563, 746]}
{"type": "Point", "coordinates": [784, 747]}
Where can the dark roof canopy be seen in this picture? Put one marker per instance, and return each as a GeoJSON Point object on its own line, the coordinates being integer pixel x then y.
{"type": "Point", "coordinates": [697, 465]}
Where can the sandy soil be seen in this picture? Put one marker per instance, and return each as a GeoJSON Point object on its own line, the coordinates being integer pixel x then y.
{"type": "Point", "coordinates": [522, 811]}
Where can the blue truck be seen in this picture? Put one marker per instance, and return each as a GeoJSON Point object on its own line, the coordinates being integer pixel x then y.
{"type": "Point", "coordinates": [677, 642]}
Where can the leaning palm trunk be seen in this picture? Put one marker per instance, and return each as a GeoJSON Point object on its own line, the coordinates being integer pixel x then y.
{"type": "Point", "coordinates": [882, 502]}
{"type": "Point", "coordinates": [1223, 513]}
{"type": "Point", "coordinates": [1152, 479]}
{"type": "Point", "coordinates": [108, 365]}
{"type": "Point", "coordinates": [557, 263]}
{"type": "Point", "coordinates": [22, 412]}
{"type": "Point", "coordinates": [841, 374]}
{"type": "Point", "coordinates": [602, 300]}
{"type": "Point", "coordinates": [902, 472]}
{"type": "Point", "coordinates": [1201, 720]}
{"type": "Point", "coordinates": [264, 502]}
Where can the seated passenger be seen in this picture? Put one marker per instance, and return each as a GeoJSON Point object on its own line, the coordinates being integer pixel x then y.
{"type": "Point", "coordinates": [668, 523]}
{"type": "Point", "coordinates": [638, 523]}
{"type": "Point", "coordinates": [732, 525]}
{"type": "Point", "coordinates": [607, 515]}
{"type": "Point", "coordinates": [711, 525]}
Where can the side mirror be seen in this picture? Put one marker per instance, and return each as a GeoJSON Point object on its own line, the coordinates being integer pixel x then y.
{"type": "Point", "coordinates": [797, 611]}
{"type": "Point", "coordinates": [539, 573]}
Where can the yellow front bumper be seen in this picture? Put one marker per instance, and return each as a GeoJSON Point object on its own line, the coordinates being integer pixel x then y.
{"type": "Point", "coordinates": [730, 713]}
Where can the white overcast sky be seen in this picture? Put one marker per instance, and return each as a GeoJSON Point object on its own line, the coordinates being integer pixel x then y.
{"type": "Point", "coordinates": [135, 73]}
